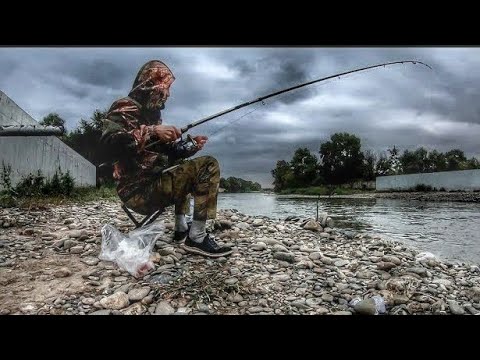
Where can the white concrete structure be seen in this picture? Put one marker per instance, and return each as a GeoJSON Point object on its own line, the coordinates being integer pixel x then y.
{"type": "Point", "coordinates": [467, 180]}
{"type": "Point", "coordinates": [28, 154]}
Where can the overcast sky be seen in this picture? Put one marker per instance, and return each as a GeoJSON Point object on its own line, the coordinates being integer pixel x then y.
{"type": "Point", "coordinates": [404, 105]}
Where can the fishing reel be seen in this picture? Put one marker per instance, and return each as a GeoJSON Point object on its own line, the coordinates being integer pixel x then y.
{"type": "Point", "coordinates": [189, 144]}
{"type": "Point", "coordinates": [184, 148]}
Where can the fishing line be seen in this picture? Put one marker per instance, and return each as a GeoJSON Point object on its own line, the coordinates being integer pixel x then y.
{"type": "Point", "coordinates": [285, 96]}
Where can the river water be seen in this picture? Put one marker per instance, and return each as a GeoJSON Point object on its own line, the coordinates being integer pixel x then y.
{"type": "Point", "coordinates": [450, 230]}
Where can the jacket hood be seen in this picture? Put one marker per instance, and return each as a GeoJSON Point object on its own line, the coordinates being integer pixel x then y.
{"type": "Point", "coordinates": [152, 84]}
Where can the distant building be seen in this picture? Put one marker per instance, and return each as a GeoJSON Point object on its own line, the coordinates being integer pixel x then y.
{"type": "Point", "coordinates": [28, 154]}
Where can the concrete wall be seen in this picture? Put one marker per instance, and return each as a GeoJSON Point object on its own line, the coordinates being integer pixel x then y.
{"type": "Point", "coordinates": [467, 180]}
{"type": "Point", "coordinates": [27, 154]}
{"type": "Point", "coordinates": [12, 114]}
{"type": "Point", "coordinates": [46, 153]}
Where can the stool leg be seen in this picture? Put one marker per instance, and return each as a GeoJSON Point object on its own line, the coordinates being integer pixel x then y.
{"type": "Point", "coordinates": [151, 218]}
{"type": "Point", "coordinates": [137, 224]}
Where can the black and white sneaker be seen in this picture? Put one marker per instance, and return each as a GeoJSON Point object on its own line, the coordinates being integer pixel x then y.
{"type": "Point", "coordinates": [208, 247]}
{"type": "Point", "coordinates": [180, 236]}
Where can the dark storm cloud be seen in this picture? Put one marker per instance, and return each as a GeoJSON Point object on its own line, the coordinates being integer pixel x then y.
{"type": "Point", "coordinates": [97, 72]}
{"type": "Point", "coordinates": [291, 73]}
{"type": "Point", "coordinates": [404, 105]}
{"type": "Point", "coordinates": [278, 70]}
{"type": "Point", "coordinates": [244, 68]}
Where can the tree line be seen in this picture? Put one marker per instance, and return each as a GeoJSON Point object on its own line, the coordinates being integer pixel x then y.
{"type": "Point", "coordinates": [85, 140]}
{"type": "Point", "coordinates": [237, 185]}
{"type": "Point", "coordinates": [341, 161]}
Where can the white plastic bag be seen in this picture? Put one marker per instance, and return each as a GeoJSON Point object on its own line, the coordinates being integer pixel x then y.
{"type": "Point", "coordinates": [131, 252]}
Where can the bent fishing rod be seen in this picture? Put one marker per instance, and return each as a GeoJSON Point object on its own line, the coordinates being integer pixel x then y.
{"type": "Point", "coordinates": [262, 98]}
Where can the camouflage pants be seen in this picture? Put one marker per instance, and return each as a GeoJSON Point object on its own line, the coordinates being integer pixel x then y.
{"type": "Point", "coordinates": [199, 177]}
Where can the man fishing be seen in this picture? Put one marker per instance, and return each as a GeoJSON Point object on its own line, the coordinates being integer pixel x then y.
{"type": "Point", "coordinates": [145, 149]}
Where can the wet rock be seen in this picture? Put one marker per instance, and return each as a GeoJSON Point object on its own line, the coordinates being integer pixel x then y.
{"type": "Point", "coordinates": [455, 308]}
{"type": "Point", "coordinates": [284, 256]}
{"type": "Point", "coordinates": [340, 263]}
{"type": "Point", "coordinates": [281, 277]}
{"type": "Point", "coordinates": [67, 244]}
{"type": "Point", "coordinates": [342, 312]}
{"type": "Point", "coordinates": [116, 301]}
{"type": "Point", "coordinates": [101, 312]}
{"type": "Point", "coordinates": [313, 226]}
{"type": "Point", "coordinates": [231, 281]}
{"type": "Point", "coordinates": [135, 309]}
{"type": "Point", "coordinates": [386, 266]}
{"type": "Point", "coordinates": [392, 259]}
{"type": "Point", "coordinates": [444, 282]}
{"type": "Point", "coordinates": [257, 222]}
{"type": "Point", "coordinates": [138, 293]}
{"type": "Point", "coordinates": [76, 249]}
{"type": "Point", "coordinates": [242, 226]}
{"type": "Point", "coordinates": [365, 307]}
{"type": "Point", "coordinates": [259, 246]}
{"type": "Point", "coordinates": [418, 270]}
{"type": "Point", "coordinates": [62, 272]}
{"type": "Point", "coordinates": [90, 260]}
{"type": "Point", "coordinates": [164, 308]}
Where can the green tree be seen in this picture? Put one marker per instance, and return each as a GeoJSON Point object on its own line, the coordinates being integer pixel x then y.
{"type": "Point", "coordinates": [224, 184]}
{"type": "Point", "coordinates": [382, 167]}
{"type": "Point", "coordinates": [423, 160]}
{"type": "Point", "coordinates": [304, 166]}
{"type": "Point", "coordinates": [235, 185]}
{"type": "Point", "coordinates": [342, 160]}
{"type": "Point", "coordinates": [369, 166]}
{"type": "Point", "coordinates": [53, 119]}
{"type": "Point", "coordinates": [437, 161]}
{"type": "Point", "coordinates": [456, 160]}
{"type": "Point", "coordinates": [282, 175]}
{"type": "Point", "coordinates": [85, 140]}
{"type": "Point", "coordinates": [395, 165]}
{"type": "Point", "coordinates": [256, 186]}
{"type": "Point", "coordinates": [473, 163]}
{"type": "Point", "coordinates": [409, 161]}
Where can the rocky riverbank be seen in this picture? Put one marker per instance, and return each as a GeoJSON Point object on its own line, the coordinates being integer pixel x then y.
{"type": "Point", "coordinates": [49, 265]}
{"type": "Point", "coordinates": [461, 196]}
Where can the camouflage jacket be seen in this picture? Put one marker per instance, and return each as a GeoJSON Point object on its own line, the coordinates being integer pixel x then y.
{"type": "Point", "coordinates": [127, 129]}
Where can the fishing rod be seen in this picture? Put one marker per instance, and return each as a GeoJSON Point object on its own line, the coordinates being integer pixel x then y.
{"type": "Point", "coordinates": [262, 98]}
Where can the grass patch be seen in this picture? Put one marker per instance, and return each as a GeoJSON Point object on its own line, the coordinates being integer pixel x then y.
{"type": "Point", "coordinates": [77, 195]}
{"type": "Point", "coordinates": [423, 188]}
{"type": "Point", "coordinates": [36, 190]}
{"type": "Point", "coordinates": [416, 188]}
